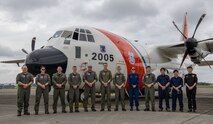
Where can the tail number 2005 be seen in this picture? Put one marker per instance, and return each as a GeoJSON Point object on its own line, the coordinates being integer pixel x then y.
{"type": "Point", "coordinates": [100, 57]}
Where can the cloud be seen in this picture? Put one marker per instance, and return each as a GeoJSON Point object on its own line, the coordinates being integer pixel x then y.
{"type": "Point", "coordinates": [8, 52]}
{"type": "Point", "coordinates": [147, 21]}
{"type": "Point", "coordinates": [121, 10]}
{"type": "Point", "coordinates": [18, 10]}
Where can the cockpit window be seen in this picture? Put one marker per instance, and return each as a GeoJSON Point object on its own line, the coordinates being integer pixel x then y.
{"type": "Point", "coordinates": [75, 36]}
{"type": "Point", "coordinates": [57, 34]}
{"type": "Point", "coordinates": [77, 30]}
{"type": "Point", "coordinates": [88, 31]}
{"type": "Point", "coordinates": [67, 42]}
{"type": "Point", "coordinates": [83, 35]}
{"type": "Point", "coordinates": [90, 38]}
{"type": "Point", "coordinates": [82, 31]}
{"type": "Point", "coordinates": [67, 34]}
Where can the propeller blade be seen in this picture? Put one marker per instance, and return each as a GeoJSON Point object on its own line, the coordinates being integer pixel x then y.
{"type": "Point", "coordinates": [206, 40]}
{"type": "Point", "coordinates": [33, 43]}
{"type": "Point", "coordinates": [23, 50]}
{"type": "Point", "coordinates": [207, 63]}
{"type": "Point", "coordinates": [178, 45]}
{"type": "Point", "coordinates": [205, 60]}
{"type": "Point", "coordinates": [178, 29]}
{"type": "Point", "coordinates": [200, 20]}
{"type": "Point", "coordinates": [184, 57]}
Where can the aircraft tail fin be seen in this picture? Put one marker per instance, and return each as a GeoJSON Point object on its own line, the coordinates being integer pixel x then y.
{"type": "Point", "coordinates": [185, 28]}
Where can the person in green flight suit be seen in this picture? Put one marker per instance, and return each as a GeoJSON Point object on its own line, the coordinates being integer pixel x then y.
{"type": "Point", "coordinates": [105, 78]}
{"type": "Point", "coordinates": [74, 80]}
{"type": "Point", "coordinates": [42, 81]}
{"type": "Point", "coordinates": [90, 78]}
{"type": "Point", "coordinates": [24, 81]}
{"type": "Point", "coordinates": [119, 82]}
{"type": "Point", "coordinates": [59, 80]}
{"type": "Point", "coordinates": [149, 81]}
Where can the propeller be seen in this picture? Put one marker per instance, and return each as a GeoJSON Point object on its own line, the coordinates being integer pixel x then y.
{"type": "Point", "coordinates": [23, 50]}
{"type": "Point", "coordinates": [32, 46]}
{"type": "Point", "coordinates": [192, 43]}
{"type": "Point", "coordinates": [33, 43]}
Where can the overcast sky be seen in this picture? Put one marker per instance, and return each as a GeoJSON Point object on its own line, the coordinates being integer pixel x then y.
{"type": "Point", "coordinates": [149, 21]}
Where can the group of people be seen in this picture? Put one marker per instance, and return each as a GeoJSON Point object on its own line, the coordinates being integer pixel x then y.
{"type": "Point", "coordinates": [165, 85]}
{"type": "Point", "coordinates": [43, 81]}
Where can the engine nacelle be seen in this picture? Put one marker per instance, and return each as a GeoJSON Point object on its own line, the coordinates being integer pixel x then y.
{"type": "Point", "coordinates": [198, 56]}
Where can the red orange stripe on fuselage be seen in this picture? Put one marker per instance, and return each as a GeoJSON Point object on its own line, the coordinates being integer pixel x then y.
{"type": "Point", "coordinates": [125, 49]}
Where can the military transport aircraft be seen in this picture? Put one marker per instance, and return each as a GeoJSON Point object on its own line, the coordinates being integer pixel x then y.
{"type": "Point", "coordinates": [82, 46]}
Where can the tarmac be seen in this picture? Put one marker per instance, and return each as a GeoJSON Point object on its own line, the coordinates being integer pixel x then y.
{"type": "Point", "coordinates": [204, 114]}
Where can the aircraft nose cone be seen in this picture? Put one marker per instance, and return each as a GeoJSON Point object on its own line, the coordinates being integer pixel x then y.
{"type": "Point", "coordinates": [49, 57]}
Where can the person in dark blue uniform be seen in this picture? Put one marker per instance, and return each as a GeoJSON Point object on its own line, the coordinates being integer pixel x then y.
{"type": "Point", "coordinates": [133, 81]}
{"type": "Point", "coordinates": [177, 93]}
{"type": "Point", "coordinates": [163, 89]}
{"type": "Point", "coordinates": [190, 81]}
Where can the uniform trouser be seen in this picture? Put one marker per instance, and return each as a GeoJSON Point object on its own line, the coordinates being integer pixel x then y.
{"type": "Point", "coordinates": [175, 96]}
{"type": "Point", "coordinates": [150, 96]}
{"type": "Point", "coordinates": [119, 93]}
{"type": "Point", "coordinates": [39, 92]}
{"type": "Point", "coordinates": [163, 94]}
{"type": "Point", "coordinates": [89, 90]}
{"type": "Point", "coordinates": [133, 96]}
{"type": "Point", "coordinates": [105, 91]}
{"type": "Point", "coordinates": [23, 97]}
{"type": "Point", "coordinates": [191, 96]}
{"type": "Point", "coordinates": [59, 93]}
{"type": "Point", "coordinates": [74, 97]}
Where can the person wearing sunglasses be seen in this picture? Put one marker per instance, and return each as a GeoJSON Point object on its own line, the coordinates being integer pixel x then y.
{"type": "Point", "coordinates": [133, 81]}
{"type": "Point", "coordinates": [42, 81]}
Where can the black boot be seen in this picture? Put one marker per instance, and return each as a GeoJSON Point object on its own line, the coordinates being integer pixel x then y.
{"type": "Point", "coordinates": [85, 109]}
{"type": "Point", "coordinates": [18, 113]}
{"type": "Point", "coordinates": [26, 113]}
{"type": "Point", "coordinates": [123, 109]}
{"type": "Point", "coordinates": [47, 112]}
{"type": "Point", "coordinates": [131, 109]}
{"type": "Point", "coordinates": [137, 109]}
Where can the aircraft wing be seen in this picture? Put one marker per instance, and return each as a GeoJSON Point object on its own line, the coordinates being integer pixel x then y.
{"type": "Point", "coordinates": [171, 50]}
{"type": "Point", "coordinates": [209, 46]}
{"type": "Point", "coordinates": [14, 61]}
{"type": "Point", "coordinates": [203, 63]}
